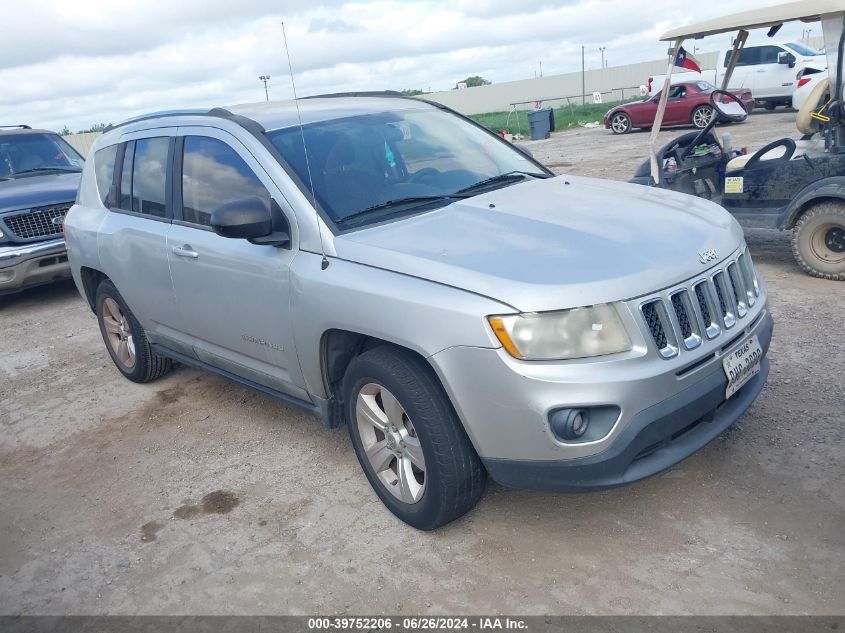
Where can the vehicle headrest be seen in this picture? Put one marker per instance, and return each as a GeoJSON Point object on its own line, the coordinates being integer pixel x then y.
{"type": "Point", "coordinates": [803, 121]}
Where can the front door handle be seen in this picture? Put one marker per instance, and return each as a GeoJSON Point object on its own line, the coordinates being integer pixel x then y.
{"type": "Point", "coordinates": [185, 251]}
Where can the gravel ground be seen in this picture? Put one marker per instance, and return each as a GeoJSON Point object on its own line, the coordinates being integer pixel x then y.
{"type": "Point", "coordinates": [194, 495]}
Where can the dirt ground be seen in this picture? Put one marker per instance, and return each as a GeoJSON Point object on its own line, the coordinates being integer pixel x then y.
{"type": "Point", "coordinates": [193, 495]}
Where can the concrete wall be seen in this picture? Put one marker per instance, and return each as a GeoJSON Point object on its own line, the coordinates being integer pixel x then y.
{"type": "Point", "coordinates": [618, 82]}
{"type": "Point", "coordinates": [82, 142]}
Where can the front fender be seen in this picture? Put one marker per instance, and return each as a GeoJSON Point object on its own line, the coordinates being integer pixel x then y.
{"type": "Point", "coordinates": [833, 187]}
{"type": "Point", "coordinates": [414, 313]}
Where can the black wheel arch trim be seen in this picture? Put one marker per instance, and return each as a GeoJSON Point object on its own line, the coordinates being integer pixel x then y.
{"type": "Point", "coordinates": [832, 187]}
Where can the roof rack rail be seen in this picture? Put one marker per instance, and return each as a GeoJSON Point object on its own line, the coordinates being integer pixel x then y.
{"type": "Point", "coordinates": [373, 93]}
{"type": "Point", "coordinates": [22, 126]}
{"type": "Point", "coordinates": [155, 115]}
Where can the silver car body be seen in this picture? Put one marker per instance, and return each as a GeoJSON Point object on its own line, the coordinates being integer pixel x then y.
{"type": "Point", "coordinates": [428, 282]}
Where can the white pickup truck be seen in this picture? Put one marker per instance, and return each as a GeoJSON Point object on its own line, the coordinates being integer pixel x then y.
{"type": "Point", "coordinates": [770, 71]}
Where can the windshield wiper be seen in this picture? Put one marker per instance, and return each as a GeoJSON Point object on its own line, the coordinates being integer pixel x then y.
{"type": "Point", "coordinates": [399, 202]}
{"type": "Point", "coordinates": [37, 169]}
{"type": "Point", "coordinates": [511, 176]}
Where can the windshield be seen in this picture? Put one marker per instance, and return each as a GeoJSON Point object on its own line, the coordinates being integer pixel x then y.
{"type": "Point", "coordinates": [802, 50]}
{"type": "Point", "coordinates": [28, 154]}
{"type": "Point", "coordinates": [415, 157]}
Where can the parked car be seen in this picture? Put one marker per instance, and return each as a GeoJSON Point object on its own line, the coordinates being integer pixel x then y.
{"type": "Point", "coordinates": [688, 104]}
{"type": "Point", "coordinates": [770, 71]}
{"type": "Point", "coordinates": [428, 285]}
{"type": "Point", "coordinates": [39, 176]}
{"type": "Point", "coordinates": [806, 84]}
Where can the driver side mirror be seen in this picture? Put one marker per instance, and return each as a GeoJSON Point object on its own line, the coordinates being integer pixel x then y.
{"type": "Point", "coordinates": [786, 59]}
{"type": "Point", "coordinates": [250, 219]}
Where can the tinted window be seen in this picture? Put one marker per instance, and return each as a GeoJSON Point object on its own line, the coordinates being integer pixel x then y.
{"type": "Point", "coordinates": [362, 161]}
{"type": "Point", "coordinates": [769, 54]}
{"type": "Point", "coordinates": [802, 50]}
{"type": "Point", "coordinates": [747, 57]}
{"type": "Point", "coordinates": [149, 176]}
{"type": "Point", "coordinates": [126, 177]}
{"type": "Point", "coordinates": [212, 175]}
{"type": "Point", "coordinates": [104, 169]}
{"type": "Point", "coordinates": [677, 92]}
{"type": "Point", "coordinates": [32, 153]}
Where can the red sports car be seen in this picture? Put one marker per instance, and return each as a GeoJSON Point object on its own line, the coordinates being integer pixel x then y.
{"type": "Point", "coordinates": [688, 104]}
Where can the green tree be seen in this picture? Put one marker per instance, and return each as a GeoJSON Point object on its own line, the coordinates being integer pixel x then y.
{"type": "Point", "coordinates": [474, 81]}
{"type": "Point", "coordinates": [411, 92]}
{"type": "Point", "coordinates": [97, 127]}
{"type": "Point", "coordinates": [65, 131]}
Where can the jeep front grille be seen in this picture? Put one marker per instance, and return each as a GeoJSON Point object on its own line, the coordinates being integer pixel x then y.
{"type": "Point", "coordinates": [40, 222]}
{"type": "Point", "coordinates": [700, 309]}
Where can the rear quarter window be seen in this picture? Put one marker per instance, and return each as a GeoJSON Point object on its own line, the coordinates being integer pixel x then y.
{"type": "Point", "coordinates": [104, 160]}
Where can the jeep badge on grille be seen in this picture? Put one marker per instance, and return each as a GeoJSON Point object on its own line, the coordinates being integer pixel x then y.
{"type": "Point", "coordinates": [708, 255]}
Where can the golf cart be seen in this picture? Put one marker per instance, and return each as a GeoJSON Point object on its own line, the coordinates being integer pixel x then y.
{"type": "Point", "coordinates": [788, 183]}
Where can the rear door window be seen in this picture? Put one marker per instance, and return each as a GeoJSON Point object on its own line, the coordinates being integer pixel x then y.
{"type": "Point", "coordinates": [125, 198]}
{"type": "Point", "coordinates": [747, 57]}
{"type": "Point", "coordinates": [149, 176]}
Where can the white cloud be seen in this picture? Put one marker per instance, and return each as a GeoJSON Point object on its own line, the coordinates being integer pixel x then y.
{"type": "Point", "coordinates": [90, 61]}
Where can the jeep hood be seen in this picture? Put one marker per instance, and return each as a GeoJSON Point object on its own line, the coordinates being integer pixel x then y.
{"type": "Point", "coordinates": [28, 192]}
{"type": "Point", "coordinates": [555, 243]}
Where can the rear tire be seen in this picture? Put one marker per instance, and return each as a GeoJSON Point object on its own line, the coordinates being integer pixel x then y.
{"type": "Point", "coordinates": [620, 123]}
{"type": "Point", "coordinates": [409, 440]}
{"type": "Point", "coordinates": [818, 241]}
{"type": "Point", "coordinates": [701, 117]}
{"type": "Point", "coordinates": [125, 339]}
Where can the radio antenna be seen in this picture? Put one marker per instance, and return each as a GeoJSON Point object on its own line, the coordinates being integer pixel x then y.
{"type": "Point", "coordinates": [325, 263]}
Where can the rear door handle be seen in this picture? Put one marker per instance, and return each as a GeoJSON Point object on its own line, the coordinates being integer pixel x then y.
{"type": "Point", "coordinates": [185, 251]}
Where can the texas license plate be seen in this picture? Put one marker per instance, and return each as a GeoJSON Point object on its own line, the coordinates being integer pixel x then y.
{"type": "Point", "coordinates": [742, 364]}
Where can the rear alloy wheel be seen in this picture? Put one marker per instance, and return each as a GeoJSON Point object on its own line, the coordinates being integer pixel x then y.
{"type": "Point", "coordinates": [409, 440]}
{"type": "Point", "coordinates": [620, 123]}
{"type": "Point", "coordinates": [125, 339]}
{"type": "Point", "coordinates": [701, 116]}
{"type": "Point", "coordinates": [818, 241]}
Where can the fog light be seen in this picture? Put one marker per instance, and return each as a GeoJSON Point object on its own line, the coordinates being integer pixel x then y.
{"type": "Point", "coordinates": [584, 424]}
{"type": "Point", "coordinates": [6, 275]}
{"type": "Point", "coordinates": [571, 424]}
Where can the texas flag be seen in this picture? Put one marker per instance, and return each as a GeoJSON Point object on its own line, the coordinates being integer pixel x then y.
{"type": "Point", "coordinates": [685, 60]}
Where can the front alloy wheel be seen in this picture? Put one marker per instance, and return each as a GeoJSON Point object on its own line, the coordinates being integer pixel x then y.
{"type": "Point", "coordinates": [620, 123]}
{"type": "Point", "coordinates": [390, 442]}
{"type": "Point", "coordinates": [701, 116]}
{"type": "Point", "coordinates": [408, 438]}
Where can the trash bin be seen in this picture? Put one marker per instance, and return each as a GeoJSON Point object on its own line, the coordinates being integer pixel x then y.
{"type": "Point", "coordinates": [540, 123]}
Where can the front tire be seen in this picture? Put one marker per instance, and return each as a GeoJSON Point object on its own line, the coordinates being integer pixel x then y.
{"type": "Point", "coordinates": [701, 117]}
{"type": "Point", "coordinates": [409, 440]}
{"type": "Point", "coordinates": [818, 241]}
{"type": "Point", "coordinates": [125, 339]}
{"type": "Point", "coordinates": [620, 123]}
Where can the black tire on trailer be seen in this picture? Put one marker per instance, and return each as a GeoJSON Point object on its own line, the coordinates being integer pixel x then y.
{"type": "Point", "coordinates": [818, 240]}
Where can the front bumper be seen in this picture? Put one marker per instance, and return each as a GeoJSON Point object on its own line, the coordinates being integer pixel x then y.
{"type": "Point", "coordinates": [664, 417]}
{"type": "Point", "coordinates": [23, 266]}
{"type": "Point", "coordinates": [653, 441]}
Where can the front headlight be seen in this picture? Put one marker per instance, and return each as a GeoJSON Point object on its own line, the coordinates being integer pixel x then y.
{"type": "Point", "coordinates": [577, 333]}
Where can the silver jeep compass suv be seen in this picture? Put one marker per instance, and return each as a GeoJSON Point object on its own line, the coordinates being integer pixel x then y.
{"type": "Point", "coordinates": [389, 265]}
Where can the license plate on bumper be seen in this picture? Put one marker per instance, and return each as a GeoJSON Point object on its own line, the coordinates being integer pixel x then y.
{"type": "Point", "coordinates": [742, 364]}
